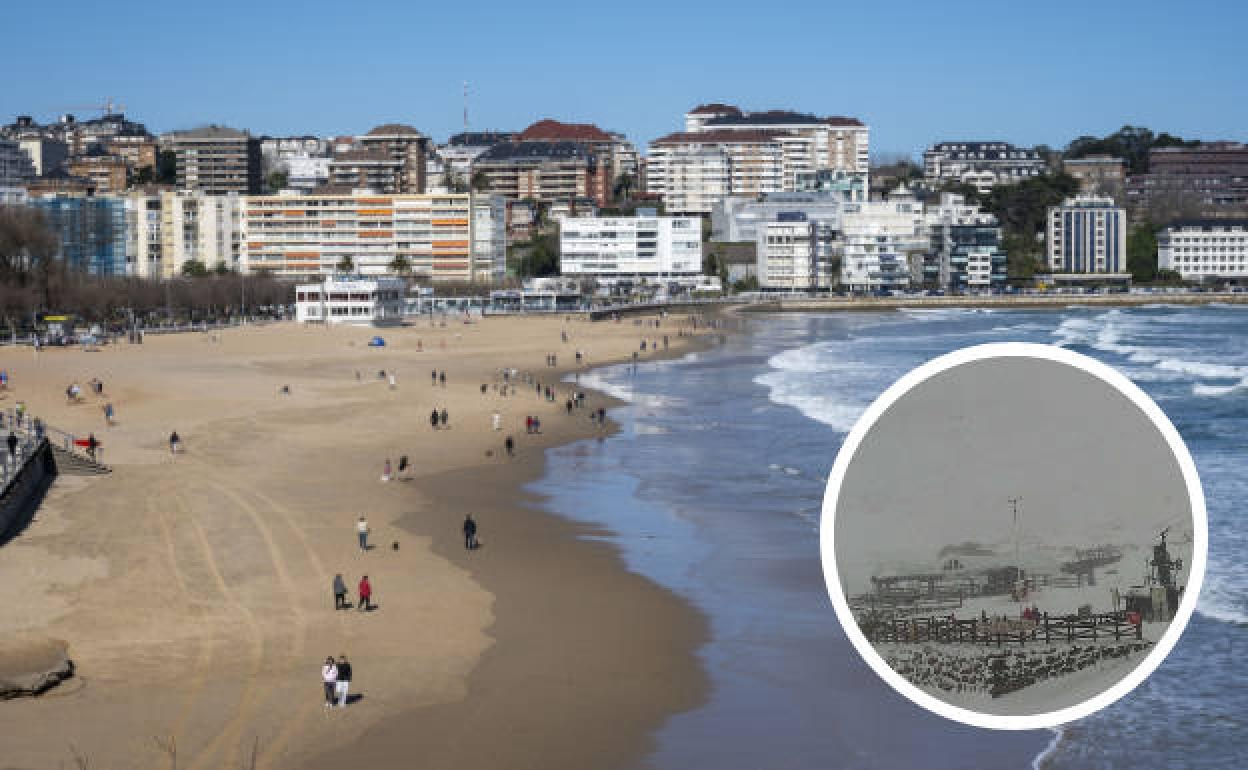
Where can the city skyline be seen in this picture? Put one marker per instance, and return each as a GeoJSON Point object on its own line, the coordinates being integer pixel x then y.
{"type": "Point", "coordinates": [946, 74]}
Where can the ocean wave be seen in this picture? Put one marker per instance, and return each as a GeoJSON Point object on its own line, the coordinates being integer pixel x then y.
{"type": "Point", "coordinates": [1222, 595]}
{"type": "Point", "coordinates": [605, 383]}
{"type": "Point", "coordinates": [1201, 389]}
{"type": "Point", "coordinates": [1048, 751]}
{"type": "Point", "coordinates": [837, 412]}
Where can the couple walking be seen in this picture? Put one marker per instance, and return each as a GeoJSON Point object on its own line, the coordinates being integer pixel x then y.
{"type": "Point", "coordinates": [336, 676]}
{"type": "Point", "coordinates": [340, 594]}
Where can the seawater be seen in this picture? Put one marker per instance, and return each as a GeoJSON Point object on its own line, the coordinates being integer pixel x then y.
{"type": "Point", "coordinates": [714, 485]}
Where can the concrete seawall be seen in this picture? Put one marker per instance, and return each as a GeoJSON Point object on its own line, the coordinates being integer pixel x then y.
{"type": "Point", "coordinates": [21, 497]}
{"type": "Point", "coordinates": [830, 304]}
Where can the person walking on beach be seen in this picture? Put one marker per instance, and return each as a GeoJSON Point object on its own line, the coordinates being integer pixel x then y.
{"type": "Point", "coordinates": [402, 464]}
{"type": "Point", "coordinates": [442, 378]}
{"type": "Point", "coordinates": [92, 444]}
{"type": "Point", "coordinates": [343, 684]}
{"type": "Point", "coordinates": [393, 383]}
{"type": "Point", "coordinates": [445, 418]}
{"type": "Point", "coordinates": [361, 530]}
{"type": "Point", "coordinates": [385, 471]}
{"type": "Point", "coordinates": [366, 595]}
{"type": "Point", "coordinates": [329, 677]}
{"type": "Point", "coordinates": [108, 413]}
{"type": "Point", "coordinates": [12, 442]}
{"type": "Point", "coordinates": [433, 419]}
{"type": "Point", "coordinates": [470, 533]}
{"type": "Point", "coordinates": [434, 377]}
{"type": "Point", "coordinates": [340, 592]}
{"type": "Point", "coordinates": [175, 443]}
{"type": "Point", "coordinates": [496, 421]}
{"type": "Point", "coordinates": [510, 445]}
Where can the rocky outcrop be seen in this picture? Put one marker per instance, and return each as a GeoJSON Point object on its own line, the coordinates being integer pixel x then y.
{"type": "Point", "coordinates": [31, 667]}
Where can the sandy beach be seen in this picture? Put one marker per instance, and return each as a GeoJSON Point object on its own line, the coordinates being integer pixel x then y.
{"type": "Point", "coordinates": [194, 591]}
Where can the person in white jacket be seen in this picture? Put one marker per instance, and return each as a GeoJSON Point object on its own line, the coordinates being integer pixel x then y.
{"type": "Point", "coordinates": [329, 677]}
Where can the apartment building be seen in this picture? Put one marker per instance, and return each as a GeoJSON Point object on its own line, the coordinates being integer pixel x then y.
{"type": "Point", "coordinates": [15, 164]}
{"type": "Point", "coordinates": [797, 253]}
{"type": "Point", "coordinates": [810, 143]}
{"type": "Point", "coordinates": [692, 171]}
{"type": "Point", "coordinates": [137, 150]}
{"type": "Point", "coordinates": [1211, 179]}
{"type": "Point", "coordinates": [306, 236]}
{"type": "Point", "coordinates": [46, 154]}
{"type": "Point", "coordinates": [91, 231]}
{"type": "Point", "coordinates": [1205, 249]}
{"type": "Point", "coordinates": [406, 147]}
{"type": "Point", "coordinates": [737, 219]}
{"type": "Point", "coordinates": [373, 170]}
{"type": "Point", "coordinates": [642, 249]}
{"type": "Point", "coordinates": [1099, 175]}
{"type": "Point", "coordinates": [457, 156]}
{"type": "Point", "coordinates": [217, 160]}
{"type": "Point", "coordinates": [965, 252]}
{"type": "Point", "coordinates": [1086, 234]}
{"type": "Point", "coordinates": [882, 241]}
{"type": "Point", "coordinates": [106, 173]}
{"type": "Point", "coordinates": [165, 229]}
{"type": "Point", "coordinates": [981, 164]}
{"type": "Point", "coordinates": [727, 151]}
{"type": "Point", "coordinates": [542, 171]}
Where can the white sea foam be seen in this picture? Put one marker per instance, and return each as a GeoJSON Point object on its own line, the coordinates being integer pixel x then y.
{"type": "Point", "coordinates": [1222, 596]}
{"type": "Point", "coordinates": [626, 392]}
{"type": "Point", "coordinates": [1043, 756]}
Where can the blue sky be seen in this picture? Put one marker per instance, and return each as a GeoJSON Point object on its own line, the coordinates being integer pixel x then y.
{"type": "Point", "coordinates": [916, 72]}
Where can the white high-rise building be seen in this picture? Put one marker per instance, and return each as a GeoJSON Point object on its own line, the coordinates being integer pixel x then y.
{"type": "Point", "coordinates": [881, 240]}
{"type": "Point", "coordinates": [725, 151]}
{"type": "Point", "coordinates": [645, 248]}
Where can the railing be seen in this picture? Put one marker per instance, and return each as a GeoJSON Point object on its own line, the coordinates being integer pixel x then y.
{"type": "Point", "coordinates": [996, 631]}
{"type": "Point", "coordinates": [31, 430]}
{"type": "Point", "coordinates": [13, 459]}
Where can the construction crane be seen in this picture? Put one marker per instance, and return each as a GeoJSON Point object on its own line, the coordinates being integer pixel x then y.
{"type": "Point", "coordinates": [109, 107]}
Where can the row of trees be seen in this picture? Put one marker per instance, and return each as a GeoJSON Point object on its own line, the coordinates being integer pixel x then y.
{"type": "Point", "coordinates": [34, 279]}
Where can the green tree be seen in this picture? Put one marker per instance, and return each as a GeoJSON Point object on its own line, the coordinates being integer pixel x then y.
{"type": "Point", "coordinates": [1131, 143]}
{"type": "Point", "coordinates": [480, 182]}
{"type": "Point", "coordinates": [166, 167]}
{"type": "Point", "coordinates": [345, 265]}
{"type": "Point", "coordinates": [625, 185]}
{"type": "Point", "coordinates": [193, 268]}
{"type": "Point", "coordinates": [221, 268]}
{"type": "Point", "coordinates": [276, 180]}
{"type": "Point", "coordinates": [400, 265]}
{"type": "Point", "coordinates": [542, 257]}
{"type": "Point", "coordinates": [1142, 253]}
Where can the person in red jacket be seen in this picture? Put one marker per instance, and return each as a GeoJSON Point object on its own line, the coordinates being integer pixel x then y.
{"type": "Point", "coordinates": [366, 594]}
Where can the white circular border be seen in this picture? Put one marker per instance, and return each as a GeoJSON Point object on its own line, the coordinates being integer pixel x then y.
{"type": "Point", "coordinates": [1103, 372]}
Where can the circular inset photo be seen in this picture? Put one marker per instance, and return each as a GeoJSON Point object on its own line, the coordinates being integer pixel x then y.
{"type": "Point", "coordinates": [1013, 535]}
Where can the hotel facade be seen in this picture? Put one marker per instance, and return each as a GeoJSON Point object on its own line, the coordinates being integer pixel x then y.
{"type": "Point", "coordinates": [1205, 249]}
{"type": "Point", "coordinates": [1086, 234]}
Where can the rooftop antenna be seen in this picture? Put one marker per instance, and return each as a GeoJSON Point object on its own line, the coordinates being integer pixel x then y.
{"type": "Point", "coordinates": [465, 106]}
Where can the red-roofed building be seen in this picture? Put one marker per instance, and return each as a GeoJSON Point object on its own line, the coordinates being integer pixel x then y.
{"type": "Point", "coordinates": [612, 155]}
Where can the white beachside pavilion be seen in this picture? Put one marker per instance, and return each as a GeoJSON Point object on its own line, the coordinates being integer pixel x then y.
{"type": "Point", "coordinates": [374, 301]}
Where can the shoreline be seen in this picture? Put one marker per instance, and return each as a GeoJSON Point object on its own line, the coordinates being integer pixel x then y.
{"type": "Point", "coordinates": [859, 304]}
{"type": "Point", "coordinates": [521, 667]}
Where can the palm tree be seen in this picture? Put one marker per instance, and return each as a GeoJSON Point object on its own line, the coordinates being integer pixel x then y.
{"type": "Point", "coordinates": [400, 265]}
{"type": "Point", "coordinates": [346, 264]}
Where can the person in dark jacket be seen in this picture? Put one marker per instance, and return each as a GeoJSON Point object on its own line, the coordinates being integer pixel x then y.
{"type": "Point", "coordinates": [343, 685]}
{"type": "Point", "coordinates": [510, 445]}
{"type": "Point", "coordinates": [340, 592]}
{"type": "Point", "coordinates": [433, 419]}
{"type": "Point", "coordinates": [12, 442]}
{"type": "Point", "coordinates": [470, 533]}
{"type": "Point", "coordinates": [445, 418]}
